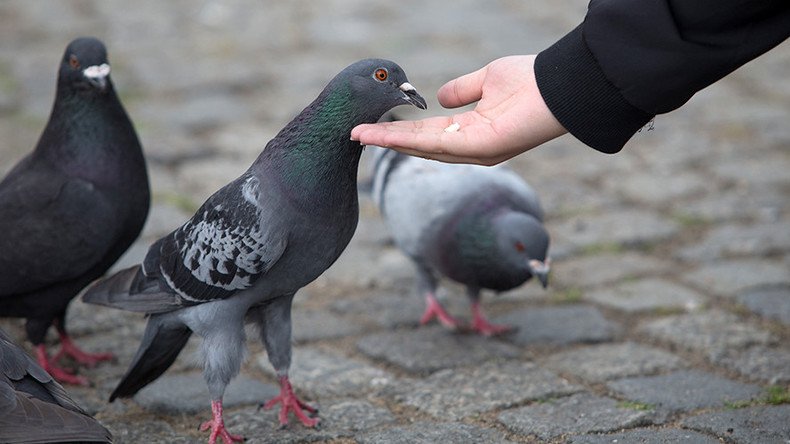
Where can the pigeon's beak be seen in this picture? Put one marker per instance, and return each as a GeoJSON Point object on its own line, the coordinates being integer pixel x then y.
{"type": "Point", "coordinates": [410, 95]}
{"type": "Point", "coordinates": [97, 75]}
{"type": "Point", "coordinates": [540, 270]}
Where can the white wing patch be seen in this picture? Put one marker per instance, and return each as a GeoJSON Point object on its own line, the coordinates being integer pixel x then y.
{"type": "Point", "coordinates": [250, 190]}
{"type": "Point", "coordinates": [225, 247]}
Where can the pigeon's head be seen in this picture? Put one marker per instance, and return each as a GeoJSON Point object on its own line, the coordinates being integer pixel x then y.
{"type": "Point", "coordinates": [524, 243]}
{"type": "Point", "coordinates": [378, 85]}
{"type": "Point", "coordinates": [85, 67]}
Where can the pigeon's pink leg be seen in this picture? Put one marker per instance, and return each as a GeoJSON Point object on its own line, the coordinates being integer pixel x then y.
{"type": "Point", "coordinates": [481, 325]}
{"type": "Point", "coordinates": [291, 402]}
{"type": "Point", "coordinates": [60, 374]}
{"type": "Point", "coordinates": [433, 309]}
{"type": "Point", "coordinates": [217, 426]}
{"type": "Point", "coordinates": [68, 348]}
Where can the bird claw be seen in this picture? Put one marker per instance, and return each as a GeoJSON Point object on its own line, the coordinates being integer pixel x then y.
{"type": "Point", "coordinates": [488, 329]}
{"type": "Point", "coordinates": [290, 402]}
{"type": "Point", "coordinates": [68, 348]}
{"type": "Point", "coordinates": [481, 325]}
{"type": "Point", "coordinates": [64, 376]}
{"type": "Point", "coordinates": [218, 430]}
{"type": "Point", "coordinates": [217, 426]}
{"type": "Point", "coordinates": [433, 309]}
{"type": "Point", "coordinates": [59, 374]}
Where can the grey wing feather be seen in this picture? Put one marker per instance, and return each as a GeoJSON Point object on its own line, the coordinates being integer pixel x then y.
{"type": "Point", "coordinates": [226, 246]}
{"type": "Point", "coordinates": [132, 290]}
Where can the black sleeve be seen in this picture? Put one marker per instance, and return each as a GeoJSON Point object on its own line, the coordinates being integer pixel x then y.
{"type": "Point", "coordinates": [632, 59]}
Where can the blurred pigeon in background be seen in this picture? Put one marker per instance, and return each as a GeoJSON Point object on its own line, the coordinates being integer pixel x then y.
{"type": "Point", "coordinates": [34, 408]}
{"type": "Point", "coordinates": [73, 206]}
{"type": "Point", "coordinates": [479, 226]}
{"type": "Point", "coordinates": [255, 242]}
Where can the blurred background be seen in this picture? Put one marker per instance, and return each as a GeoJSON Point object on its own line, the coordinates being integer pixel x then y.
{"type": "Point", "coordinates": [695, 208]}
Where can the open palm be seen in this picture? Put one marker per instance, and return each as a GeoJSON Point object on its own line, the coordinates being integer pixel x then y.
{"type": "Point", "coordinates": [510, 117]}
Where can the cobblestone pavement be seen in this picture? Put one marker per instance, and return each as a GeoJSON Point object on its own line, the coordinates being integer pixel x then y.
{"type": "Point", "coordinates": [668, 313]}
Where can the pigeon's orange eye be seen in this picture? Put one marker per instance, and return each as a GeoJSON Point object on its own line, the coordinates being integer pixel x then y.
{"type": "Point", "coordinates": [519, 246]}
{"type": "Point", "coordinates": [381, 74]}
{"type": "Point", "coordinates": [74, 62]}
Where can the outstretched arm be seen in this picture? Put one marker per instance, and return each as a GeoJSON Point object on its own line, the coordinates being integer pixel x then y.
{"type": "Point", "coordinates": [510, 117]}
{"type": "Point", "coordinates": [601, 82]}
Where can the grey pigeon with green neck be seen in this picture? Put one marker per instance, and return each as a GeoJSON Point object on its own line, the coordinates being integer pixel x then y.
{"type": "Point", "coordinates": [255, 242]}
{"type": "Point", "coordinates": [479, 226]}
{"type": "Point", "coordinates": [73, 206]}
{"type": "Point", "coordinates": [34, 408]}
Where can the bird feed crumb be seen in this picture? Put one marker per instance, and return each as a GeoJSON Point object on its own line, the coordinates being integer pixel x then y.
{"type": "Point", "coordinates": [452, 128]}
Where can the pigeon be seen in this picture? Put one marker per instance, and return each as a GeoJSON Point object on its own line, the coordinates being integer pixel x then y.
{"type": "Point", "coordinates": [254, 243]}
{"type": "Point", "coordinates": [73, 206]}
{"type": "Point", "coordinates": [34, 408]}
{"type": "Point", "coordinates": [475, 225]}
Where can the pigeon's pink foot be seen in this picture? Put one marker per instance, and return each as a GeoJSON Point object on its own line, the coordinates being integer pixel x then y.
{"type": "Point", "coordinates": [433, 309]}
{"type": "Point", "coordinates": [217, 426]}
{"type": "Point", "coordinates": [289, 401]}
{"type": "Point", "coordinates": [481, 325]}
{"type": "Point", "coordinates": [68, 348]}
{"type": "Point", "coordinates": [60, 374]}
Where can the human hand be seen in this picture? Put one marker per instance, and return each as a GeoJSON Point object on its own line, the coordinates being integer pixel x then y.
{"type": "Point", "coordinates": [510, 117]}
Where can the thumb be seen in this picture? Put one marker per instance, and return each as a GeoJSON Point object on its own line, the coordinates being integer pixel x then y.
{"type": "Point", "coordinates": [463, 90]}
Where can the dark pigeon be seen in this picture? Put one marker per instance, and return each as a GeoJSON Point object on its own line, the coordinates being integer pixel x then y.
{"type": "Point", "coordinates": [255, 242]}
{"type": "Point", "coordinates": [34, 408]}
{"type": "Point", "coordinates": [479, 226]}
{"type": "Point", "coordinates": [71, 207]}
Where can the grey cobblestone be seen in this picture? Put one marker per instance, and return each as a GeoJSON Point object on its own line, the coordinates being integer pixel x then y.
{"type": "Point", "coordinates": [772, 302]}
{"type": "Point", "coordinates": [737, 240]}
{"type": "Point", "coordinates": [713, 332]}
{"type": "Point", "coordinates": [429, 433]}
{"type": "Point", "coordinates": [683, 390]}
{"type": "Point", "coordinates": [594, 270]}
{"type": "Point", "coordinates": [559, 325]}
{"type": "Point", "coordinates": [759, 363]}
{"type": "Point", "coordinates": [187, 393]}
{"type": "Point", "coordinates": [330, 374]}
{"type": "Point", "coordinates": [603, 362]}
{"type": "Point", "coordinates": [311, 325]}
{"type": "Point", "coordinates": [151, 431]}
{"type": "Point", "coordinates": [627, 227]}
{"type": "Point", "coordinates": [580, 413]}
{"type": "Point", "coordinates": [651, 294]}
{"type": "Point", "coordinates": [392, 309]}
{"type": "Point", "coordinates": [426, 350]}
{"type": "Point", "coordinates": [730, 277]}
{"type": "Point", "coordinates": [646, 436]}
{"type": "Point", "coordinates": [496, 385]}
{"type": "Point", "coordinates": [664, 186]}
{"type": "Point", "coordinates": [766, 424]}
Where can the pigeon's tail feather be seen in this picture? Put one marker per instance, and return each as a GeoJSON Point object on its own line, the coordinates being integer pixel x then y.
{"type": "Point", "coordinates": [132, 290]}
{"type": "Point", "coordinates": [162, 342]}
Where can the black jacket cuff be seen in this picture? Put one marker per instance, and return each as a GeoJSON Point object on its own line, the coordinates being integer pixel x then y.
{"type": "Point", "coordinates": [582, 98]}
